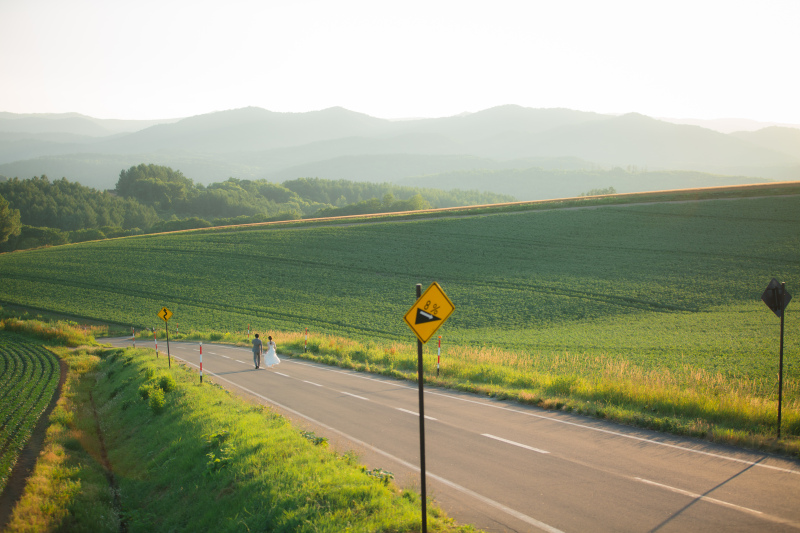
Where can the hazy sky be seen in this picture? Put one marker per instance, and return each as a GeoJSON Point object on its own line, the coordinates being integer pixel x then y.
{"type": "Point", "coordinates": [144, 59]}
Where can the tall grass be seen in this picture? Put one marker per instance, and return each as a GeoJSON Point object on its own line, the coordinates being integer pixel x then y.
{"type": "Point", "coordinates": [686, 400]}
{"type": "Point", "coordinates": [62, 332]}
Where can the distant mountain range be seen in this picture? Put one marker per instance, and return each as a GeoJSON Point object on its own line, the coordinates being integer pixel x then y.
{"type": "Point", "coordinates": [529, 153]}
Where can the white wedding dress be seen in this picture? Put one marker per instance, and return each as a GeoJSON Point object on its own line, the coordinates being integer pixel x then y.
{"type": "Point", "coordinates": [271, 358]}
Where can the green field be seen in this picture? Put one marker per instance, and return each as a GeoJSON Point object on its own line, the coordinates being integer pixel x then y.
{"type": "Point", "coordinates": [664, 287]}
{"type": "Point", "coordinates": [28, 378]}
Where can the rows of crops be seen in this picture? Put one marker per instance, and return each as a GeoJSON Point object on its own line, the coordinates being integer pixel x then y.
{"type": "Point", "coordinates": [662, 285]}
{"type": "Point", "coordinates": [29, 375]}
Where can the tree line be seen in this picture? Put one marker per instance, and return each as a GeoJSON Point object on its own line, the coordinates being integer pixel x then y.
{"type": "Point", "coordinates": [151, 199]}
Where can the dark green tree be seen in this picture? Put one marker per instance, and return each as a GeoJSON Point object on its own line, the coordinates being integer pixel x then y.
{"type": "Point", "coordinates": [9, 221]}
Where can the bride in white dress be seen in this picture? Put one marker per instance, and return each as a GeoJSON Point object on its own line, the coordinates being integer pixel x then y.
{"type": "Point", "coordinates": [271, 358]}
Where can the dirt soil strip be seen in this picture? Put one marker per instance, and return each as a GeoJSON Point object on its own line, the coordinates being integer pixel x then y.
{"type": "Point", "coordinates": [30, 453]}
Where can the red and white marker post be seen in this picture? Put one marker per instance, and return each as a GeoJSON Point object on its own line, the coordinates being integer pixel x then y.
{"type": "Point", "coordinates": [155, 336]}
{"type": "Point", "coordinates": [305, 347]}
{"type": "Point", "coordinates": [133, 336]}
{"type": "Point", "coordinates": [439, 356]}
{"type": "Point", "coordinates": [201, 361]}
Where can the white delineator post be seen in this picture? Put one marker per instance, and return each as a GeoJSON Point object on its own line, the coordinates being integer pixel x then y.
{"type": "Point", "coordinates": [133, 336]}
{"type": "Point", "coordinates": [201, 361]}
{"type": "Point", "coordinates": [155, 336]}
{"type": "Point", "coordinates": [305, 347]}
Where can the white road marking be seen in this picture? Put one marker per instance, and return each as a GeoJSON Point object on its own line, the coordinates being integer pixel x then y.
{"type": "Point", "coordinates": [311, 383]}
{"type": "Point", "coordinates": [723, 503]}
{"type": "Point", "coordinates": [414, 413]}
{"type": "Point", "coordinates": [699, 496]}
{"type": "Point", "coordinates": [531, 448]}
{"type": "Point", "coordinates": [282, 374]}
{"type": "Point", "coordinates": [355, 395]}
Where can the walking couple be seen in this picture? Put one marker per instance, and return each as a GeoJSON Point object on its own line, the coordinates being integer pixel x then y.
{"type": "Point", "coordinates": [270, 358]}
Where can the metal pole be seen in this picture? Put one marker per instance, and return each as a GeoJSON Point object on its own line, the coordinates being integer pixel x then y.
{"type": "Point", "coordinates": [201, 361]}
{"type": "Point", "coordinates": [166, 327]}
{"type": "Point", "coordinates": [780, 369]}
{"type": "Point", "coordinates": [424, 492]}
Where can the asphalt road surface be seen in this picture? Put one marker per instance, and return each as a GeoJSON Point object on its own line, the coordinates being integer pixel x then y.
{"type": "Point", "coordinates": [507, 467]}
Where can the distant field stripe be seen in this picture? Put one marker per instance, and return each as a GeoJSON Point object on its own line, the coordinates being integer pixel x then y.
{"type": "Point", "coordinates": [520, 445]}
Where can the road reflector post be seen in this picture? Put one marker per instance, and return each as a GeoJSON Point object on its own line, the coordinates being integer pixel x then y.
{"type": "Point", "coordinates": [777, 298]}
{"type": "Point", "coordinates": [155, 337]}
{"type": "Point", "coordinates": [201, 361]}
{"type": "Point", "coordinates": [439, 356]}
{"type": "Point", "coordinates": [133, 336]}
{"type": "Point", "coordinates": [305, 346]}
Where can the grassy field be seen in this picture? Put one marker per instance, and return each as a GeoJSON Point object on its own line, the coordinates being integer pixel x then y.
{"type": "Point", "coordinates": [668, 292]}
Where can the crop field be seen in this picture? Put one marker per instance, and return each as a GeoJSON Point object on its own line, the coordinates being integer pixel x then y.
{"type": "Point", "coordinates": [29, 376]}
{"type": "Point", "coordinates": [661, 285]}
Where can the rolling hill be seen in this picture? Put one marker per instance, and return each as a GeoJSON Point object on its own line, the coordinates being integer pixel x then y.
{"type": "Point", "coordinates": [335, 143]}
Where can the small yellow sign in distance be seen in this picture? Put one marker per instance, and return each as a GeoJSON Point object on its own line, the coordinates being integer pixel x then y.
{"type": "Point", "coordinates": [165, 314]}
{"type": "Point", "coordinates": [429, 312]}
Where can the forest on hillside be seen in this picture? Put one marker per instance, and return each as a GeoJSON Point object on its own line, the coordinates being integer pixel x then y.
{"type": "Point", "coordinates": [153, 199]}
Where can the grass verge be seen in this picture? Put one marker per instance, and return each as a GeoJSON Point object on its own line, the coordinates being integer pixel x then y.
{"type": "Point", "coordinates": [135, 446]}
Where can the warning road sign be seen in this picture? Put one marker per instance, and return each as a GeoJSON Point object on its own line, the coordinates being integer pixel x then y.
{"type": "Point", "coordinates": [165, 314]}
{"type": "Point", "coordinates": [776, 297]}
{"type": "Point", "coordinates": [429, 312]}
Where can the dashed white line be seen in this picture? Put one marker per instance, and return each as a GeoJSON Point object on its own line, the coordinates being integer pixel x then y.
{"type": "Point", "coordinates": [531, 448]}
{"type": "Point", "coordinates": [311, 383]}
{"type": "Point", "coordinates": [355, 395]}
{"type": "Point", "coordinates": [414, 413]}
{"type": "Point", "coordinates": [282, 374]}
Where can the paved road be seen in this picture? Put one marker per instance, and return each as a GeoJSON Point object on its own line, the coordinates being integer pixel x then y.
{"type": "Point", "coordinates": [507, 467]}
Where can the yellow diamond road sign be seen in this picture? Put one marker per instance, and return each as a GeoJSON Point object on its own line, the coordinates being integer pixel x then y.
{"type": "Point", "coordinates": [165, 314]}
{"type": "Point", "coordinates": [429, 312]}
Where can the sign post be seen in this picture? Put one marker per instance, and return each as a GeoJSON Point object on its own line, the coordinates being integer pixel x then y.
{"type": "Point", "coordinates": [201, 361]}
{"type": "Point", "coordinates": [777, 298]}
{"type": "Point", "coordinates": [165, 315]}
{"type": "Point", "coordinates": [427, 314]}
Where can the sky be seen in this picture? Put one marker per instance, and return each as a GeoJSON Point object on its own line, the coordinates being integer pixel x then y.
{"type": "Point", "coordinates": [159, 59]}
